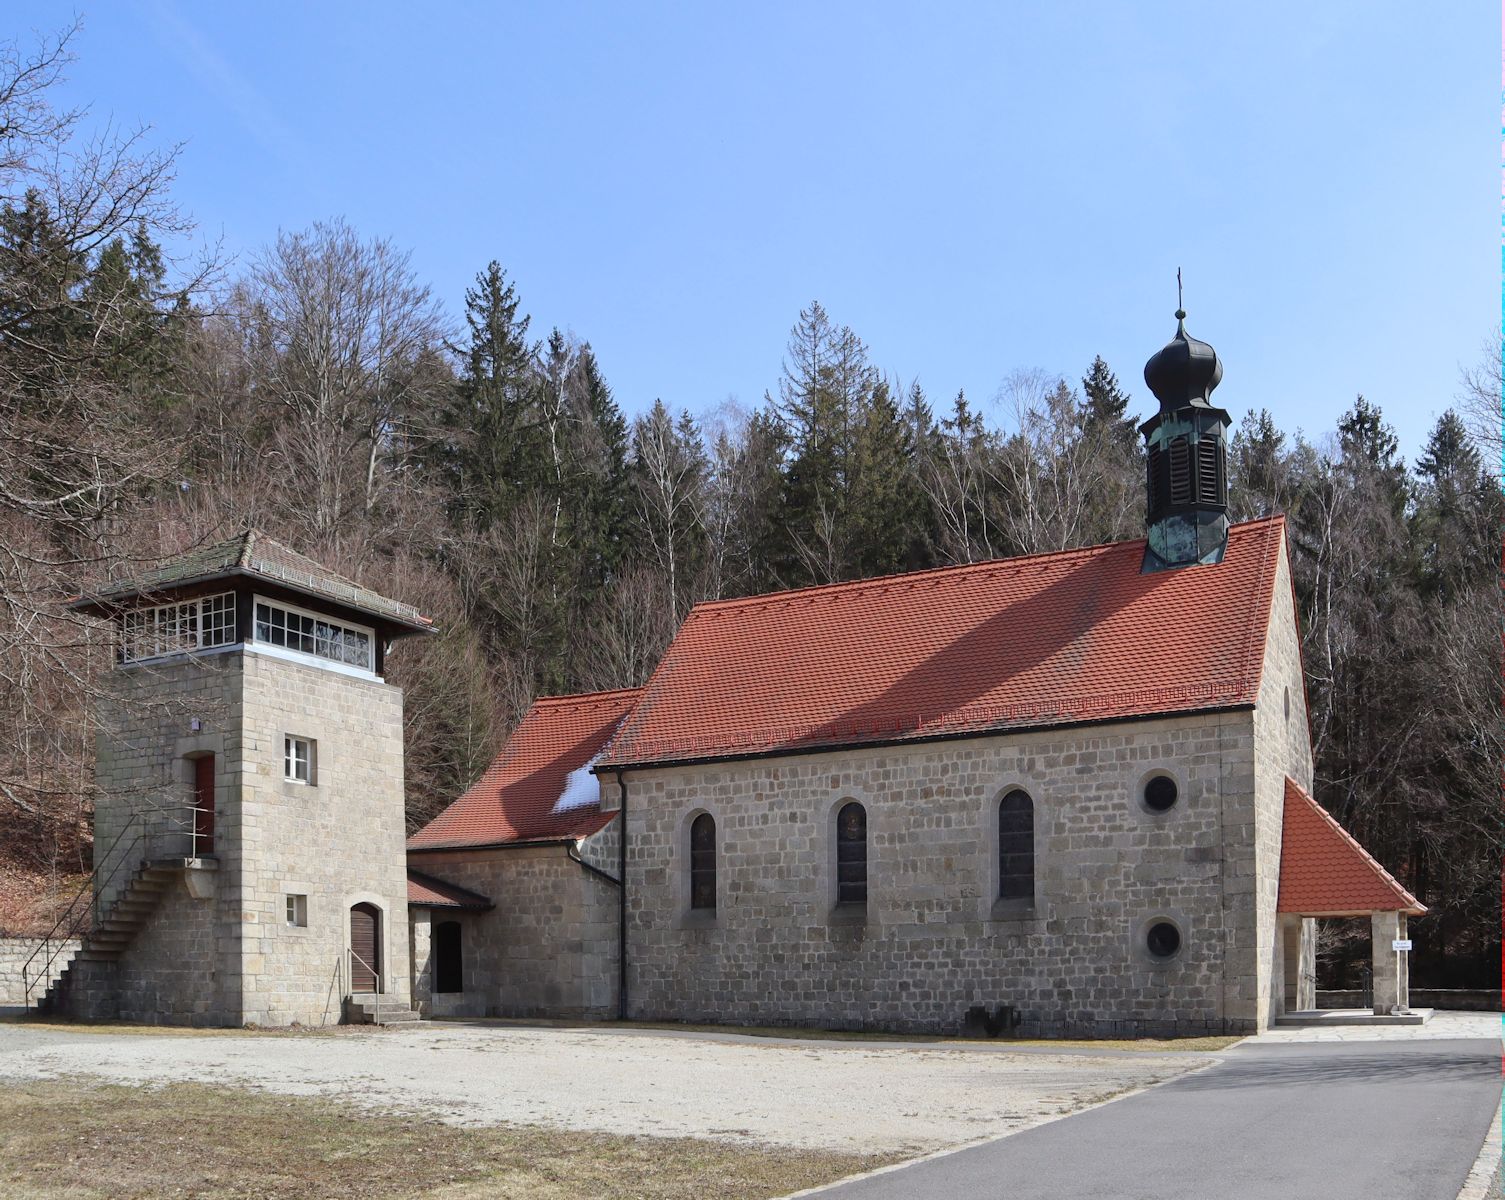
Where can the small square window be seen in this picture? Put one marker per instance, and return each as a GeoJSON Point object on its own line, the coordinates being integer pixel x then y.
{"type": "Point", "coordinates": [298, 759]}
{"type": "Point", "coordinates": [297, 910]}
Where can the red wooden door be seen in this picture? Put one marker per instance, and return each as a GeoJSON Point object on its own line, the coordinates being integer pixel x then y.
{"type": "Point", "coordinates": [203, 805]}
{"type": "Point", "coordinates": [365, 949]}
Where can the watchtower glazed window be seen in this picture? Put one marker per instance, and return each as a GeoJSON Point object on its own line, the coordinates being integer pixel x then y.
{"type": "Point", "coordinates": [851, 854]}
{"type": "Point", "coordinates": [703, 862]}
{"type": "Point", "coordinates": [1016, 847]}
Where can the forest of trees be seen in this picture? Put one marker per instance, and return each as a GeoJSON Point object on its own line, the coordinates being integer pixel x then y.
{"type": "Point", "coordinates": [483, 470]}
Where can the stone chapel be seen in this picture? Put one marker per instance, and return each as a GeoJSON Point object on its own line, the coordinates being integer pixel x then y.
{"type": "Point", "coordinates": [1060, 794]}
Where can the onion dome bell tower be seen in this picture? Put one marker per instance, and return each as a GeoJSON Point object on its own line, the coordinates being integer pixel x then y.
{"type": "Point", "coordinates": [1186, 452]}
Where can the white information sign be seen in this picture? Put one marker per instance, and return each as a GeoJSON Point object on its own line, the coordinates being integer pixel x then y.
{"type": "Point", "coordinates": [1401, 944]}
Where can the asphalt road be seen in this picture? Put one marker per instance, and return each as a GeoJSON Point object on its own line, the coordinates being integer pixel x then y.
{"type": "Point", "coordinates": [1315, 1121]}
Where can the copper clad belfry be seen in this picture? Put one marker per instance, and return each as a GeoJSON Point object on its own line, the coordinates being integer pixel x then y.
{"type": "Point", "coordinates": [1184, 370]}
{"type": "Point", "coordinates": [1186, 459]}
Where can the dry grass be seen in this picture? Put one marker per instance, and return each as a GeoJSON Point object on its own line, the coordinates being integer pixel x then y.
{"type": "Point", "coordinates": [81, 1140]}
{"type": "Point", "coordinates": [1148, 1045]}
{"type": "Point", "coordinates": [140, 1030]}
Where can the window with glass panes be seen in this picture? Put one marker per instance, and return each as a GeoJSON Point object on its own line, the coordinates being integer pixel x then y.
{"type": "Point", "coordinates": [1016, 847]}
{"type": "Point", "coordinates": [851, 854]}
{"type": "Point", "coordinates": [703, 862]}
{"type": "Point", "coordinates": [298, 759]}
{"type": "Point", "coordinates": [177, 628]}
{"type": "Point", "coordinates": [292, 629]}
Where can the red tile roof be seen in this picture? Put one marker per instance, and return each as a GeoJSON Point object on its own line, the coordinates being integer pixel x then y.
{"type": "Point", "coordinates": [517, 798]}
{"type": "Point", "coordinates": [440, 893]}
{"type": "Point", "coordinates": [1324, 872]}
{"type": "Point", "coordinates": [1046, 639]}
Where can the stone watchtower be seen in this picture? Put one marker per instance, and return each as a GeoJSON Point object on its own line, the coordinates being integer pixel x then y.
{"type": "Point", "coordinates": [249, 824]}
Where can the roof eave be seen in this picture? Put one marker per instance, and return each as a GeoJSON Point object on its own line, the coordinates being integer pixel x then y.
{"type": "Point", "coordinates": [103, 604]}
{"type": "Point", "coordinates": [912, 740]}
{"type": "Point", "coordinates": [1417, 909]}
{"type": "Point", "coordinates": [513, 844]}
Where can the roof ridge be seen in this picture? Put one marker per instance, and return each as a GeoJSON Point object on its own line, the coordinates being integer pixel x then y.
{"type": "Point", "coordinates": [905, 577]}
{"type": "Point", "coordinates": [988, 564]}
{"type": "Point", "coordinates": [575, 697]}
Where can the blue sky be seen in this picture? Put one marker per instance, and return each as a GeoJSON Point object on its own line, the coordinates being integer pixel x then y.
{"type": "Point", "coordinates": [973, 188]}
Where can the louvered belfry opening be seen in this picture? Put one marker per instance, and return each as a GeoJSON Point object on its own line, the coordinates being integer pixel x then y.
{"type": "Point", "coordinates": [1212, 487]}
{"type": "Point", "coordinates": [365, 948]}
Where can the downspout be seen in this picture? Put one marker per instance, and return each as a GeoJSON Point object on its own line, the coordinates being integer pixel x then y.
{"type": "Point", "coordinates": [622, 899]}
{"type": "Point", "coordinates": [573, 850]}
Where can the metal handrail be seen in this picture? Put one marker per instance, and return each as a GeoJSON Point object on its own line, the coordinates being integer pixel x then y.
{"type": "Point", "coordinates": [95, 885]}
{"type": "Point", "coordinates": [375, 975]}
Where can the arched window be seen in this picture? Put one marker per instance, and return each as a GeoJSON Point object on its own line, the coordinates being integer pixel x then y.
{"type": "Point", "coordinates": [449, 972]}
{"type": "Point", "coordinates": [851, 854]}
{"type": "Point", "coordinates": [703, 862]}
{"type": "Point", "coordinates": [1016, 847]}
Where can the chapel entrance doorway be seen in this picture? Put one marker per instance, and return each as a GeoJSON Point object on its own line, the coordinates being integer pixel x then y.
{"type": "Point", "coordinates": [365, 948]}
{"type": "Point", "coordinates": [449, 974]}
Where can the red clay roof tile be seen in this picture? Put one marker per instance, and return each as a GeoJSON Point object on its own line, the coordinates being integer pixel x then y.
{"type": "Point", "coordinates": [1074, 636]}
{"type": "Point", "coordinates": [1325, 872]}
{"type": "Point", "coordinates": [517, 798]}
{"type": "Point", "coordinates": [440, 893]}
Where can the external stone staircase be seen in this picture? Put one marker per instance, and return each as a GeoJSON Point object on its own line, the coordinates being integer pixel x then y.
{"type": "Point", "coordinates": [362, 1008]}
{"type": "Point", "coordinates": [118, 928]}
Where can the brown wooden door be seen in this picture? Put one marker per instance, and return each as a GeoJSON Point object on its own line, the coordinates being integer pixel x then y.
{"type": "Point", "coordinates": [365, 948]}
{"type": "Point", "coordinates": [203, 805]}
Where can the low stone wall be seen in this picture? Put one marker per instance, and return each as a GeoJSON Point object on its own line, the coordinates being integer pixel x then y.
{"type": "Point", "coordinates": [13, 955]}
{"type": "Point", "coordinates": [1463, 999]}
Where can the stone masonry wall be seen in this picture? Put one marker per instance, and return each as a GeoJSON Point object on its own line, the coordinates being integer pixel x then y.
{"type": "Point", "coordinates": [933, 941]}
{"type": "Point", "coordinates": [548, 948]}
{"type": "Point", "coordinates": [1282, 747]}
{"type": "Point", "coordinates": [339, 841]}
{"type": "Point", "coordinates": [172, 973]}
{"type": "Point", "coordinates": [185, 965]}
{"type": "Point", "coordinates": [14, 953]}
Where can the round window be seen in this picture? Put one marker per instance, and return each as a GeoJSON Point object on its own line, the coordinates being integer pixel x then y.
{"type": "Point", "coordinates": [1160, 793]}
{"type": "Point", "coordinates": [1163, 939]}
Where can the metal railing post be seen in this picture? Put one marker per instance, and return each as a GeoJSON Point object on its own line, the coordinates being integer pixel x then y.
{"type": "Point", "coordinates": [376, 982]}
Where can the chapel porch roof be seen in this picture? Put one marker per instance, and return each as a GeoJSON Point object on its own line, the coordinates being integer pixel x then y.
{"type": "Point", "coordinates": [1324, 872]}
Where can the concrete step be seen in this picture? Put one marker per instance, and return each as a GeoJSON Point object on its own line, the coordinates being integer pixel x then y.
{"type": "Point", "coordinates": [400, 1016]}
{"type": "Point", "coordinates": [363, 1009]}
{"type": "Point", "coordinates": [1316, 1018]}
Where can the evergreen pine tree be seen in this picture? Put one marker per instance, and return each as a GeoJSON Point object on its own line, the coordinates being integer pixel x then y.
{"type": "Point", "coordinates": [487, 453]}
{"type": "Point", "coordinates": [1104, 404]}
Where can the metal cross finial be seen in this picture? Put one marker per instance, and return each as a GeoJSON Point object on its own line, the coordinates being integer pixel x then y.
{"type": "Point", "coordinates": [1178, 289]}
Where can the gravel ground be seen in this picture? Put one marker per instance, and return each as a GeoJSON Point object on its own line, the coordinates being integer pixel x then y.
{"type": "Point", "coordinates": [851, 1096]}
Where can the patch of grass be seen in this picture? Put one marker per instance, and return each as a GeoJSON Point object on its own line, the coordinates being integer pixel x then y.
{"type": "Point", "coordinates": [139, 1028]}
{"type": "Point", "coordinates": [75, 1139]}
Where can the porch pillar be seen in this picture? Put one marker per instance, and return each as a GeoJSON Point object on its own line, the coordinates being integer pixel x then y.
{"type": "Point", "coordinates": [1306, 979]}
{"type": "Point", "coordinates": [1391, 987]}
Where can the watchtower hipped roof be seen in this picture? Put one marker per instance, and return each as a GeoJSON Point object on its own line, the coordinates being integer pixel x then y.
{"type": "Point", "coordinates": [252, 555]}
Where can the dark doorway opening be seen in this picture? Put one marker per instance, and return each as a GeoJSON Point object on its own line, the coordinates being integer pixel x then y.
{"type": "Point", "coordinates": [203, 805]}
{"type": "Point", "coordinates": [365, 948]}
{"type": "Point", "coordinates": [449, 972]}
